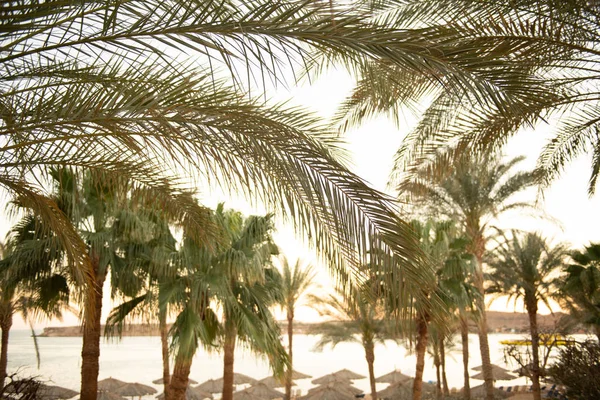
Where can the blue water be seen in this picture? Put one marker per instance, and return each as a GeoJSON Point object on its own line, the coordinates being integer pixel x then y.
{"type": "Point", "coordinates": [138, 359]}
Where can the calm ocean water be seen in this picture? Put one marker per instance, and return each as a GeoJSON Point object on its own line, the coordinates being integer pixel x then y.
{"type": "Point", "coordinates": [138, 359]}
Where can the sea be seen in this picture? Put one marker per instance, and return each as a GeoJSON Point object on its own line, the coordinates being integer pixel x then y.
{"type": "Point", "coordinates": [138, 359]}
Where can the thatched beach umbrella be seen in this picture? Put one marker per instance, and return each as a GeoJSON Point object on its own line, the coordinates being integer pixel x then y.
{"type": "Point", "coordinates": [498, 376]}
{"type": "Point", "coordinates": [49, 392]}
{"type": "Point", "coordinates": [273, 382]}
{"type": "Point", "coordinates": [393, 392]}
{"type": "Point", "coordinates": [135, 390]}
{"type": "Point", "coordinates": [211, 386]}
{"type": "Point", "coordinates": [160, 381]}
{"type": "Point", "coordinates": [263, 391]}
{"type": "Point", "coordinates": [110, 384]}
{"type": "Point", "coordinates": [394, 377]}
{"type": "Point", "coordinates": [495, 368]}
{"type": "Point", "coordinates": [403, 390]}
{"type": "Point", "coordinates": [327, 393]}
{"type": "Point", "coordinates": [240, 379]}
{"type": "Point", "coordinates": [243, 395]}
{"type": "Point", "coordinates": [331, 378]}
{"type": "Point", "coordinates": [299, 375]}
{"type": "Point", "coordinates": [347, 374]}
{"type": "Point", "coordinates": [339, 386]}
{"type": "Point", "coordinates": [106, 395]}
{"type": "Point", "coordinates": [479, 391]}
{"type": "Point", "coordinates": [191, 394]}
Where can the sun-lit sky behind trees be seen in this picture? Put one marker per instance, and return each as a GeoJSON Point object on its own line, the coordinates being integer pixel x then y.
{"type": "Point", "coordinates": [372, 147]}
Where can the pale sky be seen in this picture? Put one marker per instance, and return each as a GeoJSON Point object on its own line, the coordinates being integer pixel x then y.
{"type": "Point", "coordinates": [373, 146]}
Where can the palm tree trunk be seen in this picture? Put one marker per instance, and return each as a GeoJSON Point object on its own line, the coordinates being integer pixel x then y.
{"type": "Point", "coordinates": [6, 321]}
{"type": "Point", "coordinates": [164, 342]}
{"type": "Point", "coordinates": [443, 364]}
{"type": "Point", "coordinates": [370, 356]}
{"type": "Point", "coordinates": [422, 334]}
{"type": "Point", "coordinates": [228, 359]}
{"type": "Point", "coordinates": [531, 304]}
{"type": "Point", "coordinates": [288, 373]}
{"type": "Point", "coordinates": [179, 380]}
{"type": "Point", "coordinates": [484, 347]}
{"type": "Point", "coordinates": [438, 375]}
{"type": "Point", "coordinates": [464, 337]}
{"type": "Point", "coordinates": [90, 353]}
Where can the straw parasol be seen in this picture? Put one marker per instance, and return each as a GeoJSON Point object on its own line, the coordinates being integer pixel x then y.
{"type": "Point", "coordinates": [403, 390]}
{"type": "Point", "coordinates": [211, 386]}
{"type": "Point", "coordinates": [394, 377]}
{"type": "Point", "coordinates": [106, 395]}
{"type": "Point", "coordinates": [49, 392]}
{"type": "Point", "coordinates": [494, 368]}
{"type": "Point", "coordinates": [110, 384]}
{"type": "Point", "coordinates": [135, 390]}
{"type": "Point", "coordinates": [339, 386]}
{"type": "Point", "coordinates": [299, 375]}
{"type": "Point", "coordinates": [240, 379]}
{"type": "Point", "coordinates": [263, 391]}
{"type": "Point", "coordinates": [273, 382]}
{"type": "Point", "coordinates": [347, 374]}
{"type": "Point", "coordinates": [498, 376]}
{"type": "Point", "coordinates": [331, 378]}
{"type": "Point", "coordinates": [396, 392]}
{"type": "Point", "coordinates": [479, 391]}
{"type": "Point", "coordinates": [327, 393]}
{"type": "Point", "coordinates": [243, 395]}
{"type": "Point", "coordinates": [160, 381]}
{"type": "Point", "coordinates": [191, 394]}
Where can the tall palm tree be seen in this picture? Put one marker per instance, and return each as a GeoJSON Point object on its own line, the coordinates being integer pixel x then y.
{"type": "Point", "coordinates": [252, 290]}
{"type": "Point", "coordinates": [362, 322]}
{"type": "Point", "coordinates": [454, 284]}
{"type": "Point", "coordinates": [472, 191]}
{"type": "Point", "coordinates": [437, 240]}
{"type": "Point", "coordinates": [295, 283]}
{"type": "Point", "coordinates": [152, 263]}
{"type": "Point", "coordinates": [233, 278]}
{"type": "Point", "coordinates": [523, 267]}
{"type": "Point", "coordinates": [31, 286]}
{"type": "Point", "coordinates": [580, 291]}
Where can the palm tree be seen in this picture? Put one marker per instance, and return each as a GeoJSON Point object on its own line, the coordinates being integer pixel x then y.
{"type": "Point", "coordinates": [295, 282]}
{"type": "Point", "coordinates": [234, 278]}
{"type": "Point", "coordinates": [523, 267]}
{"type": "Point", "coordinates": [454, 284]}
{"type": "Point", "coordinates": [108, 212]}
{"type": "Point", "coordinates": [252, 290]}
{"type": "Point", "coordinates": [437, 240]}
{"type": "Point", "coordinates": [362, 322]}
{"type": "Point", "coordinates": [152, 263]}
{"type": "Point", "coordinates": [580, 291]}
{"type": "Point", "coordinates": [32, 287]}
{"type": "Point", "coordinates": [472, 191]}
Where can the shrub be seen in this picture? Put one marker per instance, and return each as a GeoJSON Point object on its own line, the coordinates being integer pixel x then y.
{"type": "Point", "coordinates": [578, 369]}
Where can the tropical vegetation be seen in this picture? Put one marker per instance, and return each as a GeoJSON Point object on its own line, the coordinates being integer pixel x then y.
{"type": "Point", "coordinates": [361, 322]}
{"type": "Point", "coordinates": [295, 284]}
{"type": "Point", "coordinates": [113, 111]}
{"type": "Point", "coordinates": [524, 267]}
{"type": "Point", "coordinates": [473, 191]}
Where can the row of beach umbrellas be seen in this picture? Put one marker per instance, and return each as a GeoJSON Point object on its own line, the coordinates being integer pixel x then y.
{"type": "Point", "coordinates": [337, 385]}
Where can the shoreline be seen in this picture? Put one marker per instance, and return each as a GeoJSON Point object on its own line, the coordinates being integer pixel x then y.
{"type": "Point", "coordinates": [498, 322]}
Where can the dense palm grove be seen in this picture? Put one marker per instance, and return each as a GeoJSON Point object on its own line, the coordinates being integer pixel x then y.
{"type": "Point", "coordinates": [114, 114]}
